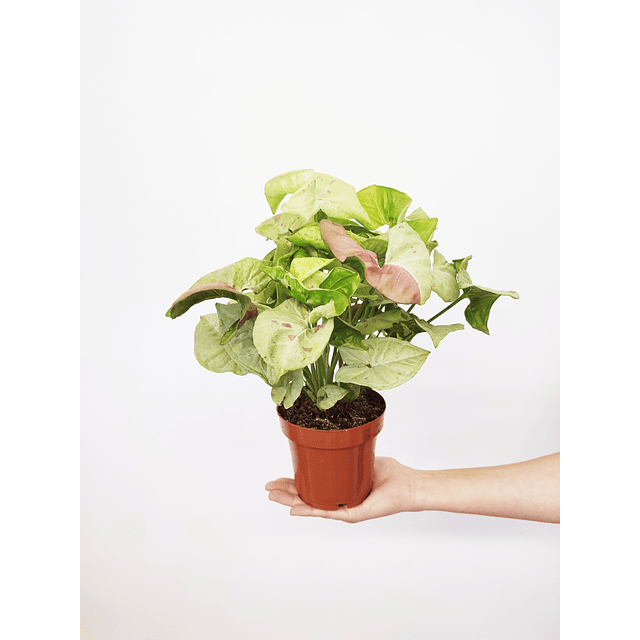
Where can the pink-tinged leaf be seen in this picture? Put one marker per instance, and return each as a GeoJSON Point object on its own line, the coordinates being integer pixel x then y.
{"type": "Point", "coordinates": [252, 312]}
{"type": "Point", "coordinates": [204, 292]}
{"type": "Point", "coordinates": [391, 280]}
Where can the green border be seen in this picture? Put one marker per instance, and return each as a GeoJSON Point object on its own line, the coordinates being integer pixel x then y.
{"type": "Point", "coordinates": [40, 250]}
{"type": "Point", "coordinates": [599, 200]}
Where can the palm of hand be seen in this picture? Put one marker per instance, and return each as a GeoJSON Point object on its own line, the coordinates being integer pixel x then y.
{"type": "Point", "coordinates": [391, 494]}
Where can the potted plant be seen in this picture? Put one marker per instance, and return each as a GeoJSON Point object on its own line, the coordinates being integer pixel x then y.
{"type": "Point", "coordinates": [327, 319]}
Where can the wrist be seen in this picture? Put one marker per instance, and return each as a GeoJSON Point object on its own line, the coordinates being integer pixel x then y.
{"type": "Point", "coordinates": [428, 490]}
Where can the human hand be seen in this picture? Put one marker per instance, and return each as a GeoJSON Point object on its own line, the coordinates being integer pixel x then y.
{"type": "Point", "coordinates": [393, 492]}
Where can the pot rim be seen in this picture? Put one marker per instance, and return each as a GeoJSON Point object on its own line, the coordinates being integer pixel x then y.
{"type": "Point", "coordinates": [332, 438]}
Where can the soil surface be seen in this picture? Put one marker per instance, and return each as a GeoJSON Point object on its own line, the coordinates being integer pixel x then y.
{"type": "Point", "coordinates": [343, 415]}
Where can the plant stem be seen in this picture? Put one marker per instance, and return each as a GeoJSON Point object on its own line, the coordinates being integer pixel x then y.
{"type": "Point", "coordinates": [460, 297]}
{"type": "Point", "coordinates": [306, 372]}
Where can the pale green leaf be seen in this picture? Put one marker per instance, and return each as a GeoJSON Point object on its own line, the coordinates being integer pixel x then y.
{"type": "Point", "coordinates": [288, 388]}
{"type": "Point", "coordinates": [303, 268]}
{"type": "Point", "coordinates": [422, 224]}
{"type": "Point", "coordinates": [462, 275]}
{"type": "Point", "coordinates": [408, 251]}
{"type": "Point", "coordinates": [287, 340]}
{"type": "Point", "coordinates": [383, 204]}
{"type": "Point", "coordinates": [437, 332]}
{"type": "Point", "coordinates": [329, 395]}
{"type": "Point", "coordinates": [309, 236]}
{"type": "Point", "coordinates": [387, 363]}
{"type": "Point", "coordinates": [242, 350]}
{"type": "Point", "coordinates": [277, 188]}
{"type": "Point", "coordinates": [245, 276]}
{"type": "Point", "coordinates": [443, 275]}
{"type": "Point", "coordinates": [335, 197]}
{"type": "Point", "coordinates": [380, 321]}
{"type": "Point", "coordinates": [331, 301]}
{"type": "Point", "coordinates": [208, 350]}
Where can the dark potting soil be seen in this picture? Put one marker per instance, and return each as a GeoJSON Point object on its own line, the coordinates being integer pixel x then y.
{"type": "Point", "coordinates": [343, 415]}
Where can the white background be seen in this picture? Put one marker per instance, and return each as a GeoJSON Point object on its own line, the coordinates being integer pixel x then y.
{"type": "Point", "coordinates": [187, 109]}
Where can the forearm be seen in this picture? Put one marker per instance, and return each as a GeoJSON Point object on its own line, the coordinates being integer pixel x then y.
{"type": "Point", "coordinates": [526, 490]}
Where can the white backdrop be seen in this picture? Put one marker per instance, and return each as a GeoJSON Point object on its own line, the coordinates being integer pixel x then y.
{"type": "Point", "coordinates": [187, 109]}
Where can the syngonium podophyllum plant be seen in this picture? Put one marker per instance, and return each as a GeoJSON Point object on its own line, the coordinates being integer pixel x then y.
{"type": "Point", "coordinates": [330, 309]}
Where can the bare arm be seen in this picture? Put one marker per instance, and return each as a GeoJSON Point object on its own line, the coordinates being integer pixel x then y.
{"type": "Point", "coordinates": [526, 490]}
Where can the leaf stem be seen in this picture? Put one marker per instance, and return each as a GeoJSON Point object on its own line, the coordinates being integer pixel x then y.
{"type": "Point", "coordinates": [462, 296]}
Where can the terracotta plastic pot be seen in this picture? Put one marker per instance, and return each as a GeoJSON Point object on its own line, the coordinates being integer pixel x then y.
{"type": "Point", "coordinates": [333, 468]}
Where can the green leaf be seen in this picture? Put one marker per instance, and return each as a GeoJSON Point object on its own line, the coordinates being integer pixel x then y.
{"type": "Point", "coordinates": [281, 225]}
{"type": "Point", "coordinates": [383, 204]}
{"type": "Point", "coordinates": [380, 321]}
{"type": "Point", "coordinates": [241, 348]}
{"type": "Point", "coordinates": [285, 250]}
{"type": "Point", "coordinates": [443, 275]}
{"type": "Point", "coordinates": [244, 275]}
{"type": "Point", "coordinates": [229, 315]}
{"type": "Point", "coordinates": [437, 332]}
{"type": "Point", "coordinates": [277, 188]}
{"type": "Point", "coordinates": [335, 197]}
{"type": "Point", "coordinates": [407, 251]}
{"type": "Point", "coordinates": [208, 350]}
{"type": "Point", "coordinates": [287, 340]}
{"type": "Point", "coordinates": [343, 280]}
{"type": "Point", "coordinates": [377, 244]}
{"type": "Point", "coordinates": [329, 395]}
{"type": "Point", "coordinates": [204, 292]}
{"type": "Point", "coordinates": [331, 302]}
{"type": "Point", "coordinates": [387, 363]}
{"type": "Point", "coordinates": [288, 388]}
{"type": "Point", "coordinates": [345, 334]}
{"type": "Point", "coordinates": [309, 236]}
{"type": "Point", "coordinates": [240, 281]}
{"type": "Point", "coordinates": [303, 268]}
{"type": "Point", "coordinates": [406, 274]}
{"type": "Point", "coordinates": [422, 224]}
{"type": "Point", "coordinates": [462, 276]}
{"type": "Point", "coordinates": [481, 300]}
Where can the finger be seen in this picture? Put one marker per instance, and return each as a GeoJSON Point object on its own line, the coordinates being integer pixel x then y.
{"type": "Point", "coordinates": [343, 513]}
{"type": "Point", "coordinates": [286, 484]}
{"type": "Point", "coordinates": [285, 497]}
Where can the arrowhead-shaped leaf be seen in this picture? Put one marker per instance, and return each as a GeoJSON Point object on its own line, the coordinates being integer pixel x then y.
{"type": "Point", "coordinates": [277, 188]}
{"type": "Point", "coordinates": [383, 204]}
{"type": "Point", "coordinates": [309, 236]}
{"type": "Point", "coordinates": [203, 292]}
{"type": "Point", "coordinates": [209, 352]}
{"type": "Point", "coordinates": [331, 302]}
{"type": "Point", "coordinates": [240, 281]}
{"type": "Point", "coordinates": [387, 363]}
{"type": "Point", "coordinates": [481, 300]}
{"type": "Point", "coordinates": [288, 388]}
{"type": "Point", "coordinates": [422, 224]}
{"type": "Point", "coordinates": [287, 340]}
{"type": "Point", "coordinates": [462, 275]}
{"type": "Point", "coordinates": [443, 276]}
{"type": "Point", "coordinates": [345, 334]}
{"type": "Point", "coordinates": [437, 332]}
{"type": "Point", "coordinates": [329, 395]}
{"type": "Point", "coordinates": [380, 321]}
{"type": "Point", "coordinates": [303, 268]}
{"type": "Point", "coordinates": [393, 280]}
{"type": "Point", "coordinates": [335, 197]}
